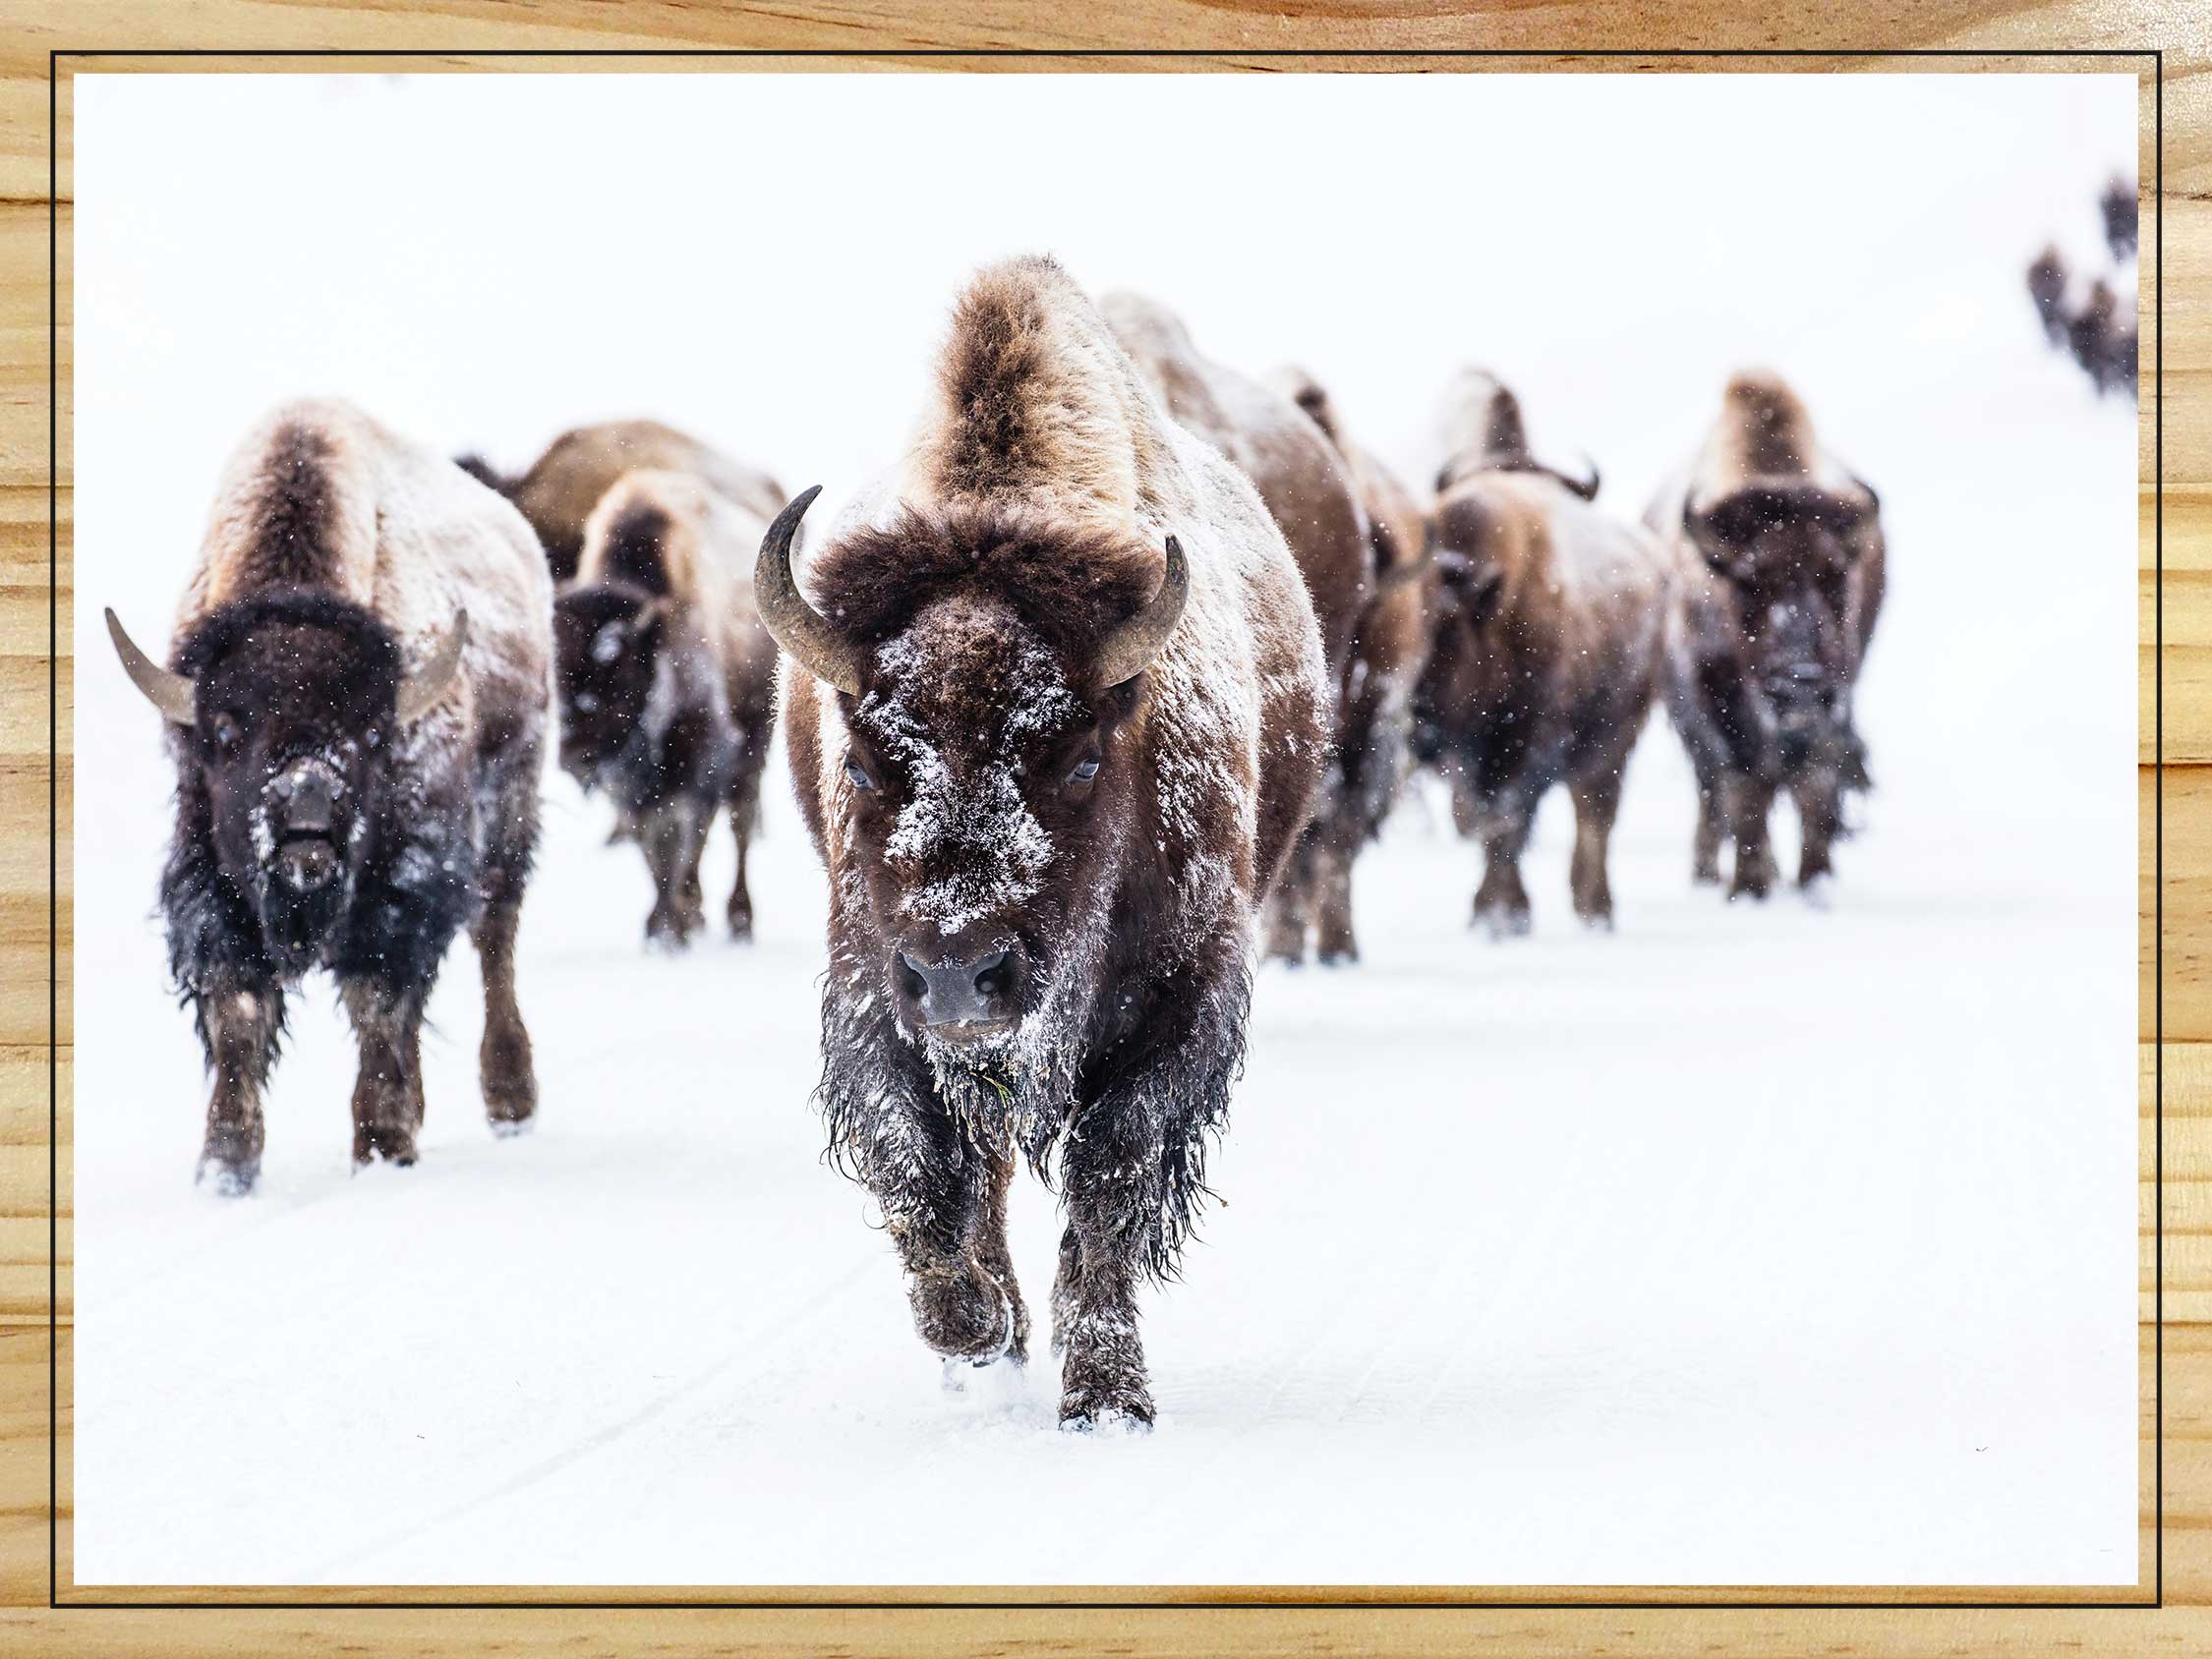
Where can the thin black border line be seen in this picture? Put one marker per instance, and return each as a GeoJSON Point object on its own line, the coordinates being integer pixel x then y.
{"type": "Point", "coordinates": [54, 1142]}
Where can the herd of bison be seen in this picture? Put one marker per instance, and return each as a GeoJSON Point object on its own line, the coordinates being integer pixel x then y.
{"type": "Point", "coordinates": [1097, 695]}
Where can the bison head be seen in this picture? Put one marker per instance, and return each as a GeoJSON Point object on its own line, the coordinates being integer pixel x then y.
{"type": "Point", "coordinates": [1788, 552]}
{"type": "Point", "coordinates": [607, 643]}
{"type": "Point", "coordinates": [287, 704]}
{"type": "Point", "coordinates": [986, 673]}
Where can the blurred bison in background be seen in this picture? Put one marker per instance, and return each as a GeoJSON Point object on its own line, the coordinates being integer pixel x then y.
{"type": "Point", "coordinates": [2094, 319]}
{"type": "Point", "coordinates": [1780, 569]}
{"type": "Point", "coordinates": [1374, 693]}
{"type": "Point", "coordinates": [356, 701]}
{"type": "Point", "coordinates": [1056, 715]}
{"type": "Point", "coordinates": [1309, 489]}
{"type": "Point", "coordinates": [666, 680]}
{"type": "Point", "coordinates": [1544, 655]}
{"type": "Point", "coordinates": [560, 490]}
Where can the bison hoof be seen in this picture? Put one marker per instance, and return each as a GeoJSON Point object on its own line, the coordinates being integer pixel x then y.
{"type": "Point", "coordinates": [507, 1128]}
{"type": "Point", "coordinates": [1818, 889]}
{"type": "Point", "coordinates": [963, 1320]}
{"type": "Point", "coordinates": [228, 1180]}
{"type": "Point", "coordinates": [741, 926]}
{"type": "Point", "coordinates": [391, 1145]}
{"type": "Point", "coordinates": [1505, 923]}
{"type": "Point", "coordinates": [666, 932]}
{"type": "Point", "coordinates": [1127, 1419]}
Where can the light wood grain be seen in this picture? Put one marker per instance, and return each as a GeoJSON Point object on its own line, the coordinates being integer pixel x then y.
{"type": "Point", "coordinates": [883, 29]}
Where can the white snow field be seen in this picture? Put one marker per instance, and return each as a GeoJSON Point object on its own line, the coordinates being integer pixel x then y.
{"type": "Point", "coordinates": [1744, 1245]}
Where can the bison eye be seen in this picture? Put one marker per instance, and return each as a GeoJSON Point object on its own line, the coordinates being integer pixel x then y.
{"type": "Point", "coordinates": [226, 731]}
{"type": "Point", "coordinates": [857, 773]}
{"type": "Point", "coordinates": [1083, 771]}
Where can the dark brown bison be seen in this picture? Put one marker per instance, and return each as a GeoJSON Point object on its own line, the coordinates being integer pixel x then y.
{"type": "Point", "coordinates": [666, 680]}
{"type": "Point", "coordinates": [1307, 488]}
{"type": "Point", "coordinates": [1780, 575]}
{"type": "Point", "coordinates": [1544, 657]}
{"type": "Point", "coordinates": [1391, 647]}
{"type": "Point", "coordinates": [356, 696]}
{"type": "Point", "coordinates": [559, 491]}
{"type": "Point", "coordinates": [1056, 714]}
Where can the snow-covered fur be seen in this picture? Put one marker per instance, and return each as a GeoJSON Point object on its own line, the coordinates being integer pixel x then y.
{"type": "Point", "coordinates": [1544, 655]}
{"type": "Point", "coordinates": [1307, 486]}
{"type": "Point", "coordinates": [1779, 570]}
{"type": "Point", "coordinates": [1099, 849]}
{"type": "Point", "coordinates": [560, 490]}
{"type": "Point", "coordinates": [336, 558]}
{"type": "Point", "coordinates": [1391, 645]}
{"type": "Point", "coordinates": [666, 679]}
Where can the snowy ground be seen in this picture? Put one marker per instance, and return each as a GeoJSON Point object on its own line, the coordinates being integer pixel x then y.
{"type": "Point", "coordinates": [1743, 1245]}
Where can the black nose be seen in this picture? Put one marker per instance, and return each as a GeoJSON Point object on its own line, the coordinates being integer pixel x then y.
{"type": "Point", "coordinates": [977, 990]}
{"type": "Point", "coordinates": [307, 796]}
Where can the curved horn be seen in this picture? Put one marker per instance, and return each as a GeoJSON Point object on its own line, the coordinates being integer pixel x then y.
{"type": "Point", "coordinates": [1588, 489]}
{"type": "Point", "coordinates": [422, 689]}
{"type": "Point", "coordinates": [809, 637]}
{"type": "Point", "coordinates": [1129, 650]}
{"type": "Point", "coordinates": [173, 694]}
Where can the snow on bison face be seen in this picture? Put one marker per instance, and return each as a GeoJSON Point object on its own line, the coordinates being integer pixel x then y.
{"type": "Point", "coordinates": [984, 769]}
{"type": "Point", "coordinates": [288, 705]}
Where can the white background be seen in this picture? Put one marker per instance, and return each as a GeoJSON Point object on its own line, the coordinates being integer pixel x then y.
{"type": "Point", "coordinates": [1770, 1245]}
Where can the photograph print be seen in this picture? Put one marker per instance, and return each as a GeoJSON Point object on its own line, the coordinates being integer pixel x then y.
{"type": "Point", "coordinates": [1123, 829]}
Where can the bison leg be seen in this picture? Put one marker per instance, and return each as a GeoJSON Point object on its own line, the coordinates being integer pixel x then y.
{"type": "Point", "coordinates": [944, 1204]}
{"type": "Point", "coordinates": [239, 1029]}
{"type": "Point", "coordinates": [1820, 814]}
{"type": "Point", "coordinates": [744, 814]}
{"type": "Point", "coordinates": [1112, 1176]}
{"type": "Point", "coordinates": [673, 836]}
{"type": "Point", "coordinates": [986, 1244]}
{"type": "Point", "coordinates": [1597, 803]}
{"type": "Point", "coordinates": [1501, 902]}
{"type": "Point", "coordinates": [1335, 942]}
{"type": "Point", "coordinates": [504, 1063]}
{"type": "Point", "coordinates": [1748, 802]}
{"type": "Point", "coordinates": [1290, 904]}
{"type": "Point", "coordinates": [388, 1092]}
{"type": "Point", "coordinates": [1705, 844]}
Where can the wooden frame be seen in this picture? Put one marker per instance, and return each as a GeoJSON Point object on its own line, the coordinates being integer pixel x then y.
{"type": "Point", "coordinates": [37, 1614]}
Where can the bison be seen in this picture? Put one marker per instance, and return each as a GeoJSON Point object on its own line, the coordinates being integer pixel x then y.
{"type": "Point", "coordinates": [559, 491]}
{"type": "Point", "coordinates": [1055, 715]}
{"type": "Point", "coordinates": [356, 696]}
{"type": "Point", "coordinates": [1391, 645]}
{"type": "Point", "coordinates": [1307, 487]}
{"type": "Point", "coordinates": [666, 680]}
{"type": "Point", "coordinates": [1545, 653]}
{"type": "Point", "coordinates": [1779, 574]}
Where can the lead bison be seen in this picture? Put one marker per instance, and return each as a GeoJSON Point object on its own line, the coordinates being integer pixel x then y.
{"type": "Point", "coordinates": [1544, 657]}
{"type": "Point", "coordinates": [667, 681]}
{"type": "Point", "coordinates": [1781, 570]}
{"type": "Point", "coordinates": [356, 697]}
{"type": "Point", "coordinates": [1055, 716]}
{"type": "Point", "coordinates": [1307, 487]}
{"type": "Point", "coordinates": [560, 490]}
